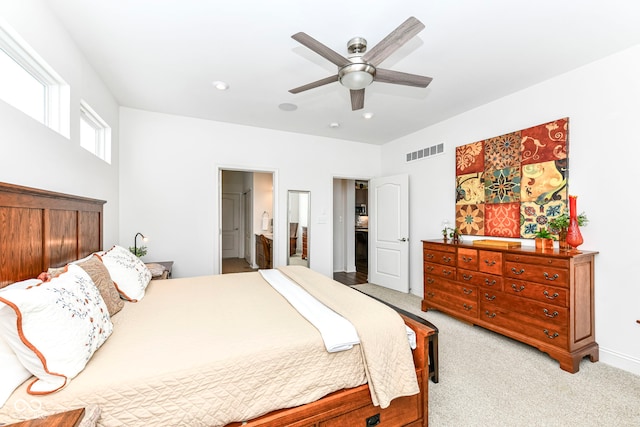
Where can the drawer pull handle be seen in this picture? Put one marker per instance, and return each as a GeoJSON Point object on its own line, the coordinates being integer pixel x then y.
{"type": "Point", "coordinates": [554, 296]}
{"type": "Point", "coordinates": [430, 294]}
{"type": "Point", "coordinates": [467, 277]}
{"type": "Point", "coordinates": [552, 315]}
{"type": "Point", "coordinates": [490, 315]}
{"type": "Point", "coordinates": [446, 272]}
{"type": "Point", "coordinates": [550, 336]}
{"type": "Point", "coordinates": [516, 271]}
{"type": "Point", "coordinates": [467, 259]}
{"type": "Point", "coordinates": [467, 307]}
{"type": "Point", "coordinates": [430, 280]}
{"type": "Point", "coordinates": [430, 267]}
{"type": "Point", "coordinates": [489, 283]}
{"type": "Point", "coordinates": [554, 277]}
{"type": "Point", "coordinates": [513, 285]}
{"type": "Point", "coordinates": [489, 263]}
{"type": "Point", "coordinates": [489, 298]}
{"type": "Point", "coordinates": [429, 256]}
{"type": "Point", "coordinates": [467, 291]}
{"type": "Point", "coordinates": [446, 258]}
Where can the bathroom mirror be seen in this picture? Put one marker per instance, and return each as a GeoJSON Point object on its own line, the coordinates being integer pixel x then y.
{"type": "Point", "coordinates": [298, 219]}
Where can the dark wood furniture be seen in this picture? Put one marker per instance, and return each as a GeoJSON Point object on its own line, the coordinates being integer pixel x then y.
{"type": "Point", "coordinates": [62, 419]}
{"type": "Point", "coordinates": [305, 242]}
{"type": "Point", "coordinates": [541, 298]}
{"type": "Point", "coordinates": [293, 238]}
{"type": "Point", "coordinates": [41, 229]}
{"type": "Point", "coordinates": [264, 249]}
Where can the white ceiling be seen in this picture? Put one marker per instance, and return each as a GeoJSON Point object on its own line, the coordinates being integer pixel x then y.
{"type": "Point", "coordinates": [163, 55]}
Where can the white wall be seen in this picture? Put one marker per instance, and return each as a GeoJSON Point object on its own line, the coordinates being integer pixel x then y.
{"type": "Point", "coordinates": [602, 101]}
{"type": "Point", "coordinates": [34, 155]}
{"type": "Point", "coordinates": [169, 183]}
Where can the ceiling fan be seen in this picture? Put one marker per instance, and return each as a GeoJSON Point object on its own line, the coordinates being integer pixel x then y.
{"type": "Point", "coordinates": [360, 69]}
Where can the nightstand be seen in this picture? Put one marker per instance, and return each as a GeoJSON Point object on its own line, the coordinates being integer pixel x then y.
{"type": "Point", "coordinates": [168, 265]}
{"type": "Point", "coordinates": [63, 419]}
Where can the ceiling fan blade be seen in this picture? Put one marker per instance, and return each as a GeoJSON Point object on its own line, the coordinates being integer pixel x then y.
{"type": "Point", "coordinates": [400, 78]}
{"type": "Point", "coordinates": [315, 84]}
{"type": "Point", "coordinates": [357, 99]}
{"type": "Point", "coordinates": [321, 49]}
{"type": "Point", "coordinates": [393, 41]}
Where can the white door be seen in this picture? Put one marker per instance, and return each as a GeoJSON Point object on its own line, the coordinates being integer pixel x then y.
{"type": "Point", "coordinates": [389, 232]}
{"type": "Point", "coordinates": [230, 225]}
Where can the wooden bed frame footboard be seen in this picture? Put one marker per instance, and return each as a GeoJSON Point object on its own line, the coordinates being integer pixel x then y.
{"type": "Point", "coordinates": [353, 407]}
{"type": "Point", "coordinates": [41, 229]}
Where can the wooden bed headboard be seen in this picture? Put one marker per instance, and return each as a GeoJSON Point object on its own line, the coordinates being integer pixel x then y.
{"type": "Point", "coordinates": [41, 229]}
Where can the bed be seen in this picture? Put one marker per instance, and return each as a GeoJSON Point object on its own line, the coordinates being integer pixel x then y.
{"type": "Point", "coordinates": [162, 364]}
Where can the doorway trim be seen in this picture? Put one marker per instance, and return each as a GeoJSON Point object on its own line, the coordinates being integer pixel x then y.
{"type": "Point", "coordinates": [276, 256]}
{"type": "Point", "coordinates": [333, 223]}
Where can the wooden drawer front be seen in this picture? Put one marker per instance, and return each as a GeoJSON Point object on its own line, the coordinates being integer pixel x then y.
{"type": "Point", "coordinates": [537, 273]}
{"type": "Point", "coordinates": [401, 411]}
{"type": "Point", "coordinates": [479, 279]}
{"type": "Point", "coordinates": [459, 290]}
{"type": "Point", "coordinates": [465, 305]}
{"type": "Point", "coordinates": [432, 246]}
{"type": "Point", "coordinates": [468, 258]}
{"type": "Point", "coordinates": [532, 259]}
{"type": "Point", "coordinates": [440, 257]}
{"type": "Point", "coordinates": [439, 270]}
{"type": "Point", "coordinates": [549, 314]}
{"type": "Point", "coordinates": [490, 262]}
{"type": "Point", "coordinates": [546, 294]}
{"type": "Point", "coordinates": [552, 333]}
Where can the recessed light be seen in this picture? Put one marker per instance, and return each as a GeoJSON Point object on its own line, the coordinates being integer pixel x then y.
{"type": "Point", "coordinates": [220, 85]}
{"type": "Point", "coordinates": [334, 125]}
{"type": "Point", "coordinates": [367, 115]}
{"type": "Point", "coordinates": [287, 106]}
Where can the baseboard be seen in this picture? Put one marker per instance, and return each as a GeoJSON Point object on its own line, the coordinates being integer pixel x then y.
{"type": "Point", "coordinates": [619, 360]}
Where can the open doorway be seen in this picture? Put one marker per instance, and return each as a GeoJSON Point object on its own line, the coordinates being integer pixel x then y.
{"type": "Point", "coordinates": [351, 231]}
{"type": "Point", "coordinates": [246, 220]}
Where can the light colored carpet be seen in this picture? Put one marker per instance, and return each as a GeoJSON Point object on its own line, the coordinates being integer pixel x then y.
{"type": "Point", "coordinates": [490, 380]}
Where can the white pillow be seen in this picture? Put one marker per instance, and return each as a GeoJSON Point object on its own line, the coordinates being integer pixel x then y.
{"type": "Point", "coordinates": [128, 273]}
{"type": "Point", "coordinates": [55, 327]}
{"type": "Point", "coordinates": [11, 370]}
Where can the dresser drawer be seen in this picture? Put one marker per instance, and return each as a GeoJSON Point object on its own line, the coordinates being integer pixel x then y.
{"type": "Point", "coordinates": [490, 262]}
{"type": "Point", "coordinates": [468, 258]}
{"type": "Point", "coordinates": [440, 270]}
{"type": "Point", "coordinates": [440, 257]}
{"type": "Point", "coordinates": [539, 260]}
{"type": "Point", "coordinates": [465, 305]}
{"type": "Point", "coordinates": [549, 332]}
{"type": "Point", "coordinates": [479, 279]}
{"type": "Point", "coordinates": [537, 273]}
{"type": "Point", "coordinates": [540, 313]}
{"type": "Point", "coordinates": [539, 292]}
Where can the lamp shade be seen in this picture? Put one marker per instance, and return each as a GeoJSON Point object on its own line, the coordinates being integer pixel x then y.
{"type": "Point", "coordinates": [356, 76]}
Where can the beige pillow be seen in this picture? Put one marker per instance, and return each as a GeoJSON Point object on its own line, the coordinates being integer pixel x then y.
{"type": "Point", "coordinates": [100, 276]}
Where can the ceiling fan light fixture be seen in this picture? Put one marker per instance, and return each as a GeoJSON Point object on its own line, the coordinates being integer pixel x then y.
{"type": "Point", "coordinates": [356, 76]}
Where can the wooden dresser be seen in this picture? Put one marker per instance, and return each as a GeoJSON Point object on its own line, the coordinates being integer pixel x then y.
{"type": "Point", "coordinates": [544, 299]}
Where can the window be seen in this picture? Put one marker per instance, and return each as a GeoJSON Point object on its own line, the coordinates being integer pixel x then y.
{"type": "Point", "coordinates": [30, 85]}
{"type": "Point", "coordinates": [95, 134]}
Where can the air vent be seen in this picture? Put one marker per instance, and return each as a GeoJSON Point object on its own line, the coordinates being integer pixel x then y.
{"type": "Point", "coordinates": [434, 150]}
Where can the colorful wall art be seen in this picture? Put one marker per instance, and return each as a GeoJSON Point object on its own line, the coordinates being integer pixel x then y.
{"type": "Point", "coordinates": [513, 184]}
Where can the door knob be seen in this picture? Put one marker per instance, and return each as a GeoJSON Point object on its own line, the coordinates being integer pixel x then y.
{"type": "Point", "coordinates": [404, 239]}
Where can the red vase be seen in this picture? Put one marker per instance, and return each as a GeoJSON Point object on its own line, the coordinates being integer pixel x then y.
{"type": "Point", "coordinates": [574, 237]}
